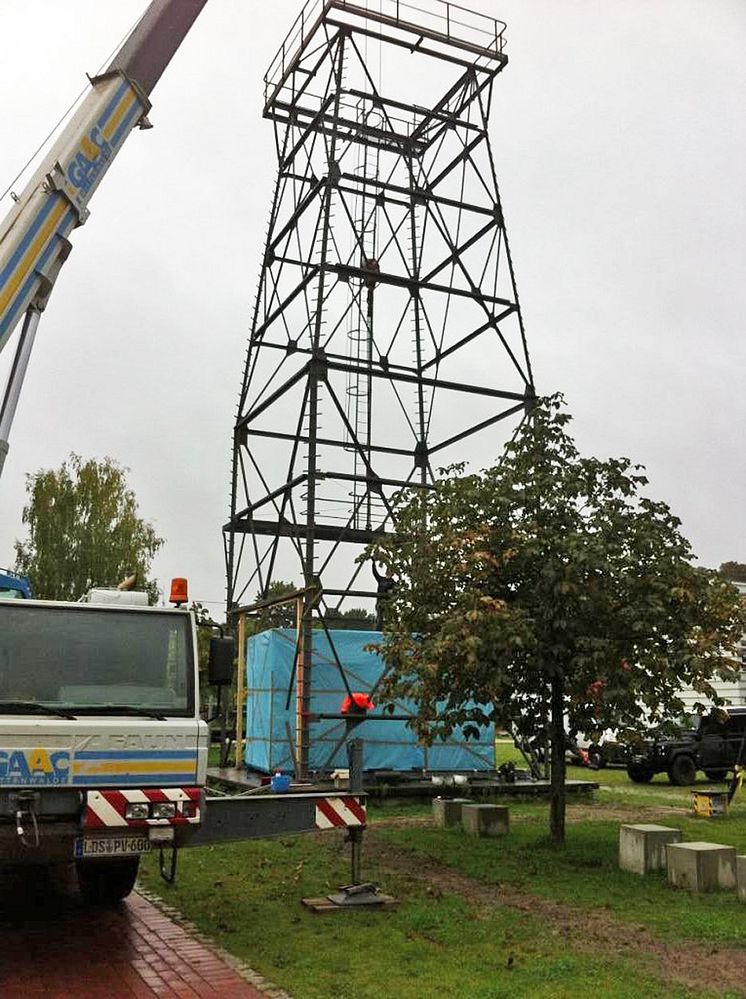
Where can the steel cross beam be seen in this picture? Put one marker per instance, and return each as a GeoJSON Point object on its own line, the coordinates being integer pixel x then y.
{"type": "Point", "coordinates": [232, 818]}
{"type": "Point", "coordinates": [387, 326]}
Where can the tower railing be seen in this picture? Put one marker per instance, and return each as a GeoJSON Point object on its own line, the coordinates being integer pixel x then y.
{"type": "Point", "coordinates": [441, 20]}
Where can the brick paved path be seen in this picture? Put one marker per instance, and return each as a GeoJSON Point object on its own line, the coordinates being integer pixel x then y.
{"type": "Point", "coordinates": [51, 944]}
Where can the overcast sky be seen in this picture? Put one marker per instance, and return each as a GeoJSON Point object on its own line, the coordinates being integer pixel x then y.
{"type": "Point", "coordinates": [619, 137]}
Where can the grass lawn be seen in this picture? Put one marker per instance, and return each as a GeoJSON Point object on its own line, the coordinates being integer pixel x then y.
{"type": "Point", "coordinates": [478, 919]}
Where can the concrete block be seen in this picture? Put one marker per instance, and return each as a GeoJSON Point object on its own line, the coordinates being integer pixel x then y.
{"type": "Point", "coordinates": [741, 878]}
{"type": "Point", "coordinates": [447, 811]}
{"type": "Point", "coordinates": [701, 866]}
{"type": "Point", "coordinates": [485, 820]}
{"type": "Point", "coordinates": [642, 848]}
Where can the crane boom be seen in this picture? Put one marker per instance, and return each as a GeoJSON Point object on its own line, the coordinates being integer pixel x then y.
{"type": "Point", "coordinates": [34, 238]}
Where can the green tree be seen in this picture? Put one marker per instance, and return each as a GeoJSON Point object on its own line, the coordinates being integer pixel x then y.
{"type": "Point", "coordinates": [280, 615]}
{"type": "Point", "coordinates": [206, 629]}
{"type": "Point", "coordinates": [84, 530]}
{"type": "Point", "coordinates": [204, 634]}
{"type": "Point", "coordinates": [735, 571]}
{"type": "Point", "coordinates": [353, 619]}
{"type": "Point", "coordinates": [550, 587]}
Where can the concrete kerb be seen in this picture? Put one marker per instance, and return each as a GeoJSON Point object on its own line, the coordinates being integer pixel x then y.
{"type": "Point", "coordinates": [263, 985]}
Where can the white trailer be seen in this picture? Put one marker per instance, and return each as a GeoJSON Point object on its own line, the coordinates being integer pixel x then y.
{"type": "Point", "coordinates": [734, 693]}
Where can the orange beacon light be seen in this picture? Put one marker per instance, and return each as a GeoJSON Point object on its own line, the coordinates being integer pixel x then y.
{"type": "Point", "coordinates": [179, 591]}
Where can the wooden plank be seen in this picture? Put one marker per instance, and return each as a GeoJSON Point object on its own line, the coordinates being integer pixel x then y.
{"type": "Point", "coordinates": [324, 905]}
{"type": "Point", "coordinates": [240, 689]}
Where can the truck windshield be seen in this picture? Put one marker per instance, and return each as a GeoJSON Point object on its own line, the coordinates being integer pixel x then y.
{"type": "Point", "coordinates": [90, 657]}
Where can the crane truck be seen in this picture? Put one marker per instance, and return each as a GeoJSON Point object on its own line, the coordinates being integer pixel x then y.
{"type": "Point", "coordinates": [103, 755]}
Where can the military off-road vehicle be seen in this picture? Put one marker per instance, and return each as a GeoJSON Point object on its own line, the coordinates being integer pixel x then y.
{"type": "Point", "coordinates": [715, 744]}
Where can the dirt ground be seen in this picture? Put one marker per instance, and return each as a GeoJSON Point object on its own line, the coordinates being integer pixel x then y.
{"type": "Point", "coordinates": [592, 932]}
{"type": "Point", "coordinates": [575, 813]}
{"type": "Point", "coordinates": [623, 813]}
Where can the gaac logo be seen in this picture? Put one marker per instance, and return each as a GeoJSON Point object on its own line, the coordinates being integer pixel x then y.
{"type": "Point", "coordinates": [34, 766]}
{"type": "Point", "coordinates": [94, 153]}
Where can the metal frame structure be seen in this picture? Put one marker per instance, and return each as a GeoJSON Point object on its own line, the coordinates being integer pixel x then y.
{"type": "Point", "coordinates": [387, 336]}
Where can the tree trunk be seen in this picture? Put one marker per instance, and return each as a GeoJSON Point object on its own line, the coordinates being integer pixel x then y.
{"type": "Point", "coordinates": [557, 735]}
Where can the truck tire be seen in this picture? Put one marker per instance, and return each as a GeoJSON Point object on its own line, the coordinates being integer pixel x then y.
{"type": "Point", "coordinates": [596, 757]}
{"type": "Point", "coordinates": [639, 773]}
{"type": "Point", "coordinates": [107, 882]}
{"type": "Point", "coordinates": [716, 775]}
{"type": "Point", "coordinates": [682, 770]}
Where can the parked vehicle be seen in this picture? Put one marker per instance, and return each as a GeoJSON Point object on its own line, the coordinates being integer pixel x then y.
{"type": "Point", "coordinates": [601, 750]}
{"type": "Point", "coordinates": [714, 744]}
{"type": "Point", "coordinates": [103, 754]}
{"type": "Point", "coordinates": [13, 586]}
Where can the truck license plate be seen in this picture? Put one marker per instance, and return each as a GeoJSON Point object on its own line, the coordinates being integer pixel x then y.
{"type": "Point", "coordinates": [111, 846]}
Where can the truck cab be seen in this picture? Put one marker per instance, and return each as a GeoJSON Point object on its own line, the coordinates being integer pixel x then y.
{"type": "Point", "coordinates": [103, 755]}
{"type": "Point", "coordinates": [13, 586]}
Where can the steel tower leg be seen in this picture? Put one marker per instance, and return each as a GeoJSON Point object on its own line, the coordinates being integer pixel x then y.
{"type": "Point", "coordinates": [387, 337]}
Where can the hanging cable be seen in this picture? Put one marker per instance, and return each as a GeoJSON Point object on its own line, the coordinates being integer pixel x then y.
{"type": "Point", "coordinates": [43, 143]}
{"type": "Point", "coordinates": [67, 113]}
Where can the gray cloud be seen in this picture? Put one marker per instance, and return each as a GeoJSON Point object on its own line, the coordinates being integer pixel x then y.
{"type": "Point", "coordinates": [618, 135]}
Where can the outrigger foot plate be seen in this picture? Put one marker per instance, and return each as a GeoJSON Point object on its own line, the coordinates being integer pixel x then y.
{"type": "Point", "coordinates": [364, 895]}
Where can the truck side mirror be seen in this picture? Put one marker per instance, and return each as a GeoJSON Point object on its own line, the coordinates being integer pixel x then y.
{"type": "Point", "coordinates": [220, 661]}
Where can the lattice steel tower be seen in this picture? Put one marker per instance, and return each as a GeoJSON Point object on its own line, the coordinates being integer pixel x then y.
{"type": "Point", "coordinates": [387, 337]}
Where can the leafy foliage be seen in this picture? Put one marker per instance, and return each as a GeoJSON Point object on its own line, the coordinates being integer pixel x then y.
{"type": "Point", "coordinates": [206, 628]}
{"type": "Point", "coordinates": [353, 619]}
{"type": "Point", "coordinates": [204, 634]}
{"type": "Point", "coordinates": [735, 571]}
{"type": "Point", "coordinates": [549, 572]}
{"type": "Point", "coordinates": [279, 616]}
{"type": "Point", "coordinates": [84, 530]}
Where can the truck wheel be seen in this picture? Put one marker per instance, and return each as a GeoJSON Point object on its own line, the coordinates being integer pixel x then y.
{"type": "Point", "coordinates": [596, 758]}
{"type": "Point", "coordinates": [682, 771]}
{"type": "Point", "coordinates": [107, 882]}
{"type": "Point", "coordinates": [716, 775]}
{"type": "Point", "coordinates": [640, 773]}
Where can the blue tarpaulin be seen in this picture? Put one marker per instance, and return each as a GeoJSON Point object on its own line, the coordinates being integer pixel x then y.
{"type": "Point", "coordinates": [389, 745]}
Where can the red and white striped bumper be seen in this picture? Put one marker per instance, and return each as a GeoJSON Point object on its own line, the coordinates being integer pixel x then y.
{"type": "Point", "coordinates": [107, 809]}
{"type": "Point", "coordinates": [342, 811]}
